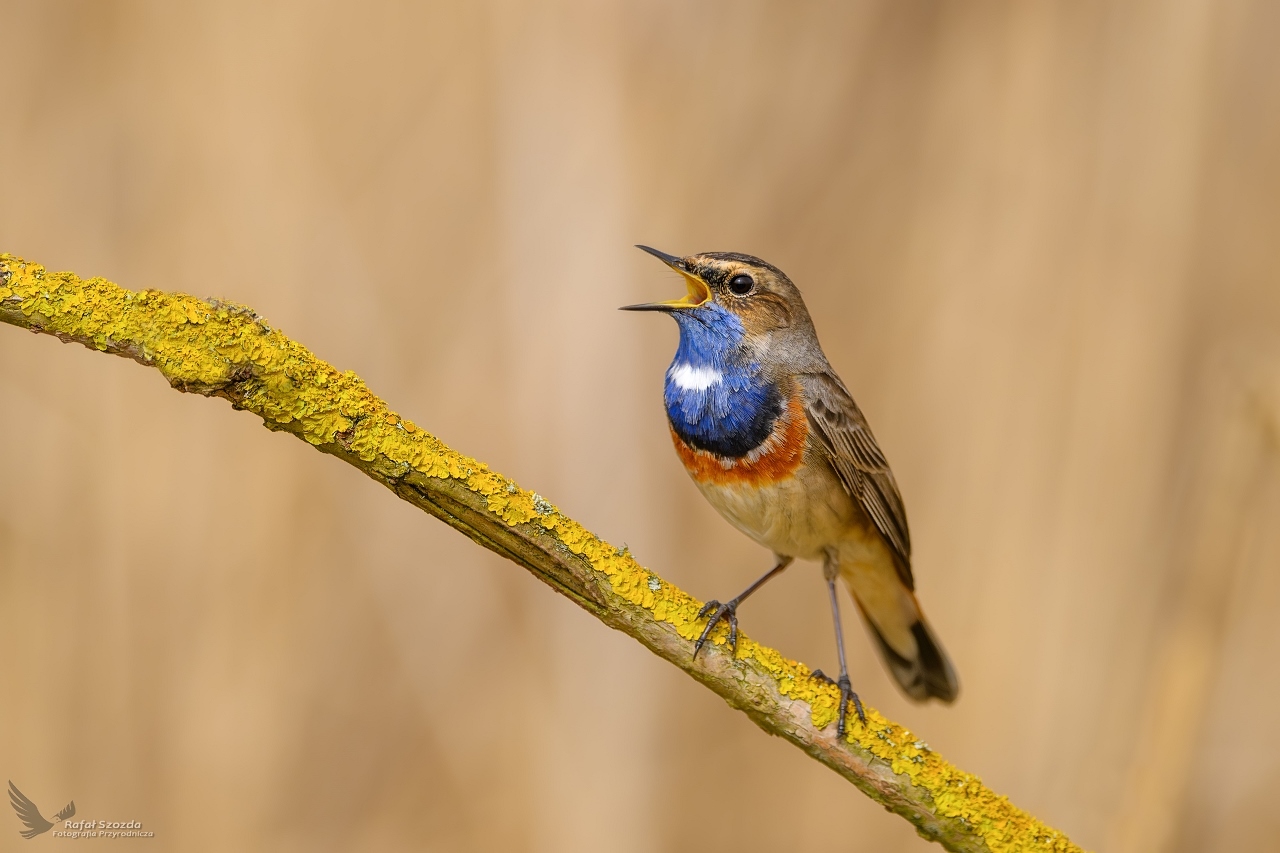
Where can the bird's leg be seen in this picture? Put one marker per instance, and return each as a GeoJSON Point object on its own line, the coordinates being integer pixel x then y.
{"type": "Point", "coordinates": [729, 610]}
{"type": "Point", "coordinates": [846, 690]}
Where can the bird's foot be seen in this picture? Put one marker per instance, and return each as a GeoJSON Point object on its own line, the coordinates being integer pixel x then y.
{"type": "Point", "coordinates": [719, 612]}
{"type": "Point", "coordinates": [822, 676]}
{"type": "Point", "coordinates": [847, 694]}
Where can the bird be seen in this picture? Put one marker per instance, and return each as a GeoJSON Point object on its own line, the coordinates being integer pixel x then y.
{"type": "Point", "coordinates": [775, 442]}
{"type": "Point", "coordinates": [30, 815]}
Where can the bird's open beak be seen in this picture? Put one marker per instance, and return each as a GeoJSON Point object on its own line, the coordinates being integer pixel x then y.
{"type": "Point", "coordinates": [698, 290]}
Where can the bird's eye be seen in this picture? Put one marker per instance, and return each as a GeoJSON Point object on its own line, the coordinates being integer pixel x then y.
{"type": "Point", "coordinates": [741, 285]}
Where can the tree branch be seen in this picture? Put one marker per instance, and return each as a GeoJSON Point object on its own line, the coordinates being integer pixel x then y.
{"type": "Point", "coordinates": [219, 349]}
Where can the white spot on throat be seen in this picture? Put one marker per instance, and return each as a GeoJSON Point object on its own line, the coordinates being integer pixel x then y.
{"type": "Point", "coordinates": [690, 378]}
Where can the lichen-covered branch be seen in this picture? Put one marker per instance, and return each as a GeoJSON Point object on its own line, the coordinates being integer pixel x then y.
{"type": "Point", "coordinates": [219, 349]}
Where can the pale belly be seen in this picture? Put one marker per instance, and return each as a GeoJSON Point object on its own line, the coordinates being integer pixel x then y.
{"type": "Point", "coordinates": [801, 516]}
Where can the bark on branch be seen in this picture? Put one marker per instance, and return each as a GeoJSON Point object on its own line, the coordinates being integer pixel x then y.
{"type": "Point", "coordinates": [220, 349]}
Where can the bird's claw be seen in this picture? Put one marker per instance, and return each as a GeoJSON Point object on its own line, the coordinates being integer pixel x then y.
{"type": "Point", "coordinates": [718, 613]}
{"type": "Point", "coordinates": [846, 694]}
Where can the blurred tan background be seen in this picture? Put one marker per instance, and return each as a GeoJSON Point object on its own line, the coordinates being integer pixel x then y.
{"type": "Point", "coordinates": [1040, 244]}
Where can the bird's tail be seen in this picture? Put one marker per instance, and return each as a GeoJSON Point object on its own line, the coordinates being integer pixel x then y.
{"type": "Point", "coordinates": [910, 650]}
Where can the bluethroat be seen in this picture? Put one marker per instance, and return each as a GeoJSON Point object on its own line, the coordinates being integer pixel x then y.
{"type": "Point", "coordinates": [775, 442]}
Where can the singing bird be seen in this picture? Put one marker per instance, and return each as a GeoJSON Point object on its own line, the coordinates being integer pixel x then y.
{"type": "Point", "coordinates": [775, 442]}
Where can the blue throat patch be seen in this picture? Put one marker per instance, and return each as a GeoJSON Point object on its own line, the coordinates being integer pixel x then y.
{"type": "Point", "coordinates": [729, 417]}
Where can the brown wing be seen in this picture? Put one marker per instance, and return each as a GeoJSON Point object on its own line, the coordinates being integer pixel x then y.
{"type": "Point", "coordinates": [843, 433]}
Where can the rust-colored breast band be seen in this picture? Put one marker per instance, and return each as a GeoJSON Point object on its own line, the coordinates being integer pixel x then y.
{"type": "Point", "coordinates": [775, 459]}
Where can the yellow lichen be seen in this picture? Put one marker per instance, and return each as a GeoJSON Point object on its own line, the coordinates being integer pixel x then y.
{"type": "Point", "coordinates": [207, 345]}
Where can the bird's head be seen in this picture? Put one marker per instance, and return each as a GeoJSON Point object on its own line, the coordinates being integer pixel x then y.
{"type": "Point", "coordinates": [735, 300]}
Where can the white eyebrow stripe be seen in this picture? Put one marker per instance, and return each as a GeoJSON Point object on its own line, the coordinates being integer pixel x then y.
{"type": "Point", "coordinates": [690, 378]}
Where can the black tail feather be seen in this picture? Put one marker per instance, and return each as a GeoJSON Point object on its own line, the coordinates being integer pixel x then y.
{"type": "Point", "coordinates": [929, 675]}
